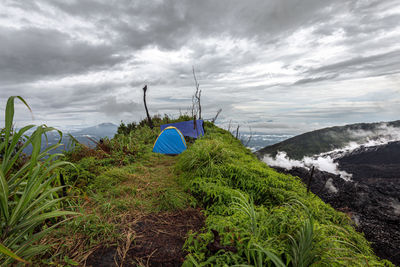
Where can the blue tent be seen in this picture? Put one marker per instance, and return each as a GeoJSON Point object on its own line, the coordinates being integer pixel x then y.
{"type": "Point", "coordinates": [187, 128]}
{"type": "Point", "coordinates": [170, 141]}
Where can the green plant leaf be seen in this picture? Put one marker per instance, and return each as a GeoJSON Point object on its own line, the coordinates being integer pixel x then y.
{"type": "Point", "coordinates": [11, 254]}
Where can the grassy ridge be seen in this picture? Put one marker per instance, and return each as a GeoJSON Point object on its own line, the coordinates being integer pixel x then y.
{"type": "Point", "coordinates": [268, 217]}
{"type": "Point", "coordinates": [255, 216]}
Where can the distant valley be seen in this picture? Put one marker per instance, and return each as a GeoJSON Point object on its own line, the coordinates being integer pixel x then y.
{"type": "Point", "coordinates": [83, 136]}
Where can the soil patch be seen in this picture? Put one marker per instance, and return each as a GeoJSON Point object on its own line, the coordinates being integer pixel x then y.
{"type": "Point", "coordinates": [159, 238]}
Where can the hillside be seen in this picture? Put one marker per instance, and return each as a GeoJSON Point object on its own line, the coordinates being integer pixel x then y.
{"type": "Point", "coordinates": [215, 204]}
{"type": "Point", "coordinates": [362, 180]}
{"type": "Point", "coordinates": [371, 202]}
{"type": "Point", "coordinates": [238, 209]}
{"type": "Point", "coordinates": [328, 139]}
{"type": "Point", "coordinates": [376, 162]}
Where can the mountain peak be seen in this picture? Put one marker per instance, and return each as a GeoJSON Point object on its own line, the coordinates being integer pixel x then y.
{"type": "Point", "coordinates": [107, 124]}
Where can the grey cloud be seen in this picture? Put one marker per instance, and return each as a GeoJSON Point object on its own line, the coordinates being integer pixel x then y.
{"type": "Point", "coordinates": [329, 112]}
{"type": "Point", "coordinates": [230, 42]}
{"type": "Point", "coordinates": [31, 53]}
{"type": "Point", "coordinates": [314, 79]}
{"type": "Point", "coordinates": [376, 63]}
{"type": "Point", "coordinates": [262, 125]}
{"type": "Point", "coordinates": [170, 24]}
{"type": "Point", "coordinates": [111, 106]}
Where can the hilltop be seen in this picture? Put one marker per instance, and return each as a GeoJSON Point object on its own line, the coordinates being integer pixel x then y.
{"type": "Point", "coordinates": [238, 210]}
{"type": "Point", "coordinates": [215, 204]}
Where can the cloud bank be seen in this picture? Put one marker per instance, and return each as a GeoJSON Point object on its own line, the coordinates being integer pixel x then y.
{"type": "Point", "coordinates": [280, 66]}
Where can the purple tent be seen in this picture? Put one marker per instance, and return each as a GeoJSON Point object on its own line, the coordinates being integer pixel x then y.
{"type": "Point", "coordinates": [187, 128]}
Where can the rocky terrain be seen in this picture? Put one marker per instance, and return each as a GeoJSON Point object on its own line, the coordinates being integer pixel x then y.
{"type": "Point", "coordinates": [371, 198]}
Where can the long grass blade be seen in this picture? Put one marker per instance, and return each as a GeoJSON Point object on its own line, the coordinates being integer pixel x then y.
{"type": "Point", "coordinates": [11, 254]}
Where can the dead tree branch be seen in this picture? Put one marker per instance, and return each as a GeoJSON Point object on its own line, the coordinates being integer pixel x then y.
{"type": "Point", "coordinates": [229, 126]}
{"type": "Point", "coordinates": [196, 103]}
{"type": "Point", "coordinates": [145, 106]}
{"type": "Point", "coordinates": [250, 137]}
{"type": "Point", "coordinates": [237, 132]}
{"type": "Point", "coordinates": [310, 180]}
{"type": "Point", "coordinates": [216, 116]}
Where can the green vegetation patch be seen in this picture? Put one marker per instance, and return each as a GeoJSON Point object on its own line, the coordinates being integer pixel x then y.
{"type": "Point", "coordinates": [112, 186]}
{"type": "Point", "coordinates": [261, 217]}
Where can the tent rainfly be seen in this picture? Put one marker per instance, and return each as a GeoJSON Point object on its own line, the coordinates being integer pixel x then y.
{"type": "Point", "coordinates": [170, 141]}
{"type": "Point", "coordinates": [187, 128]}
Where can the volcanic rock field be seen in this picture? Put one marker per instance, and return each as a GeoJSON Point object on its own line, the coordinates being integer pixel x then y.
{"type": "Point", "coordinates": [371, 198]}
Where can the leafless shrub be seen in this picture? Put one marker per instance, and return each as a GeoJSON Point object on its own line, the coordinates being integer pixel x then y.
{"type": "Point", "coordinates": [196, 104]}
{"type": "Point", "coordinates": [216, 116]}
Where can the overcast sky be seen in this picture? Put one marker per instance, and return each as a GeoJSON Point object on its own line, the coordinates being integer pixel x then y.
{"type": "Point", "coordinates": [279, 66]}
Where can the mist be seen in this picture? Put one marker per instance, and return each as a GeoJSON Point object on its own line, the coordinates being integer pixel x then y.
{"type": "Point", "coordinates": [326, 161]}
{"type": "Point", "coordinates": [323, 163]}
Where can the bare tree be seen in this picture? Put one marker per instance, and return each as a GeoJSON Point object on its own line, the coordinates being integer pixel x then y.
{"type": "Point", "coordinates": [229, 126]}
{"type": "Point", "coordinates": [196, 105]}
{"type": "Point", "coordinates": [194, 123]}
{"type": "Point", "coordinates": [145, 106]}
{"type": "Point", "coordinates": [237, 131]}
{"type": "Point", "coordinates": [310, 180]}
{"type": "Point", "coordinates": [216, 116]}
{"type": "Point", "coordinates": [250, 137]}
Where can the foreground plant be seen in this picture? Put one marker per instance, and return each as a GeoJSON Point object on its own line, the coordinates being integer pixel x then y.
{"type": "Point", "coordinates": [11, 254]}
{"type": "Point", "coordinates": [246, 206]}
{"type": "Point", "coordinates": [302, 247]}
{"type": "Point", "coordinates": [27, 195]}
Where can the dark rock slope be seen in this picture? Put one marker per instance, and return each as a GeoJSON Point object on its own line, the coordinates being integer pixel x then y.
{"type": "Point", "coordinates": [378, 162]}
{"type": "Point", "coordinates": [371, 199]}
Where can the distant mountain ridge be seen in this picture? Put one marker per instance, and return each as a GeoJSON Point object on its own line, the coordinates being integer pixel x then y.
{"type": "Point", "coordinates": [94, 132]}
{"type": "Point", "coordinates": [101, 130]}
{"type": "Point", "coordinates": [328, 139]}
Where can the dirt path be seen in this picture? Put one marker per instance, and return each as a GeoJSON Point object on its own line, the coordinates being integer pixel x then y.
{"type": "Point", "coordinates": [157, 241]}
{"type": "Point", "coordinates": [152, 237]}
